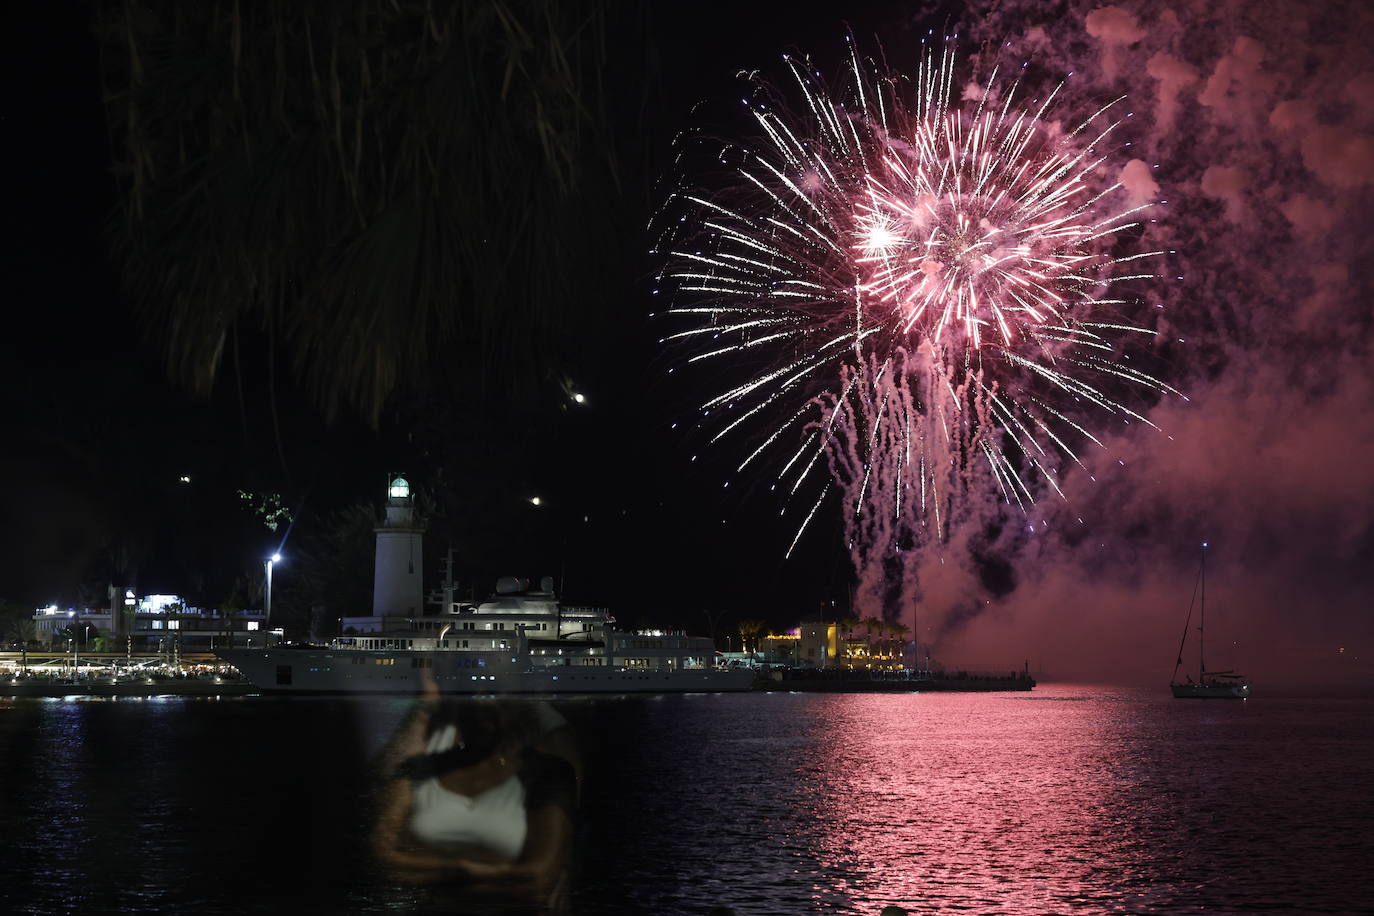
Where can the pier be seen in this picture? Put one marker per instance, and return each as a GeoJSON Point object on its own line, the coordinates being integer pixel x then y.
{"type": "Point", "coordinates": [117, 674]}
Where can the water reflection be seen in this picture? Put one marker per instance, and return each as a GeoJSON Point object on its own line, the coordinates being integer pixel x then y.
{"type": "Point", "coordinates": [944, 799]}
{"type": "Point", "coordinates": [1067, 799]}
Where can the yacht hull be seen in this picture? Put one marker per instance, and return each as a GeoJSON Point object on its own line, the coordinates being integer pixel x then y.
{"type": "Point", "coordinates": [1210, 691]}
{"type": "Point", "coordinates": [319, 671]}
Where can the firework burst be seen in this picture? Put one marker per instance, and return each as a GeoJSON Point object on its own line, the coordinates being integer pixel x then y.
{"type": "Point", "coordinates": [910, 289]}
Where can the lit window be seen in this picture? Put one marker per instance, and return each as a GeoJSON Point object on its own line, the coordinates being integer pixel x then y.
{"type": "Point", "coordinates": [174, 624]}
{"type": "Point", "coordinates": [252, 624]}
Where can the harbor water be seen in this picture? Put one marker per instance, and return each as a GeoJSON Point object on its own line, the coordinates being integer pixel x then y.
{"type": "Point", "coordinates": [1064, 799]}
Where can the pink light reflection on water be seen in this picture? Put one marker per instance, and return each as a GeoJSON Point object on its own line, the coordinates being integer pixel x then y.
{"type": "Point", "coordinates": [1025, 803]}
{"type": "Point", "coordinates": [968, 798]}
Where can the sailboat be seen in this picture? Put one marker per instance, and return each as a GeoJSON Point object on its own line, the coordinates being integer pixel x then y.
{"type": "Point", "coordinates": [1210, 685]}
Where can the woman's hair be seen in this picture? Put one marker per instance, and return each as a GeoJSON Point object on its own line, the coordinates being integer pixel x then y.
{"type": "Point", "coordinates": [483, 727]}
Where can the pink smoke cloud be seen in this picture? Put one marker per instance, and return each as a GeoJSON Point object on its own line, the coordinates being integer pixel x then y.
{"type": "Point", "coordinates": [1293, 114]}
{"type": "Point", "coordinates": [1238, 70]}
{"type": "Point", "coordinates": [1113, 27]}
{"type": "Point", "coordinates": [1360, 91]}
{"type": "Point", "coordinates": [1227, 184]}
{"type": "Point", "coordinates": [1311, 218]}
{"type": "Point", "coordinates": [1139, 183]}
{"type": "Point", "coordinates": [1173, 76]}
{"type": "Point", "coordinates": [1264, 322]}
{"type": "Point", "coordinates": [1340, 157]}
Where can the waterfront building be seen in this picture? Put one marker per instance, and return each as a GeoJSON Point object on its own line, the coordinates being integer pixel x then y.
{"type": "Point", "coordinates": [818, 644]}
{"type": "Point", "coordinates": [780, 649]}
{"type": "Point", "coordinates": [152, 622]}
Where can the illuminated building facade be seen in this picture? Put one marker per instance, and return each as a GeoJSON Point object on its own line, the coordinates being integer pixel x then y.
{"type": "Point", "coordinates": [818, 644]}
{"type": "Point", "coordinates": [149, 622]}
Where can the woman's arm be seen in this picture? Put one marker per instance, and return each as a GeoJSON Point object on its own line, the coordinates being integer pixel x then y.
{"type": "Point", "coordinates": [391, 840]}
{"type": "Point", "coordinates": [410, 738]}
{"type": "Point", "coordinates": [533, 876]}
{"type": "Point", "coordinates": [536, 874]}
{"type": "Point", "coordinates": [551, 799]}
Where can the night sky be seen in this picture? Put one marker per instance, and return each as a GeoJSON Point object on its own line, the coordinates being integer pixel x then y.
{"type": "Point", "coordinates": [1258, 129]}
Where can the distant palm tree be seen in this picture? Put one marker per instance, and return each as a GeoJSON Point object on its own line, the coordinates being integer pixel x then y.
{"type": "Point", "coordinates": [879, 628]}
{"type": "Point", "coordinates": [900, 631]}
{"type": "Point", "coordinates": [23, 631]}
{"type": "Point", "coordinates": [749, 631]}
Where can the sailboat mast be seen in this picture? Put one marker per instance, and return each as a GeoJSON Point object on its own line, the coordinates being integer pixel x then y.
{"type": "Point", "coordinates": [1202, 623]}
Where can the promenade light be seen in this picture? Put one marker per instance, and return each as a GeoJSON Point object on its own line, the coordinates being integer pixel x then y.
{"type": "Point", "coordinates": [267, 565]}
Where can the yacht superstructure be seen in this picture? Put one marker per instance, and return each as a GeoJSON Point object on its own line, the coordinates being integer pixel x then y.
{"type": "Point", "coordinates": [519, 641]}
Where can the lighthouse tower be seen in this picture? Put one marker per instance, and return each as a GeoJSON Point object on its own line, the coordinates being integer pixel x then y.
{"type": "Point", "coordinates": [398, 578]}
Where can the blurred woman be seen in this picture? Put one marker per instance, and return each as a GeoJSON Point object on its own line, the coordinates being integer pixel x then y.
{"type": "Point", "coordinates": [478, 801]}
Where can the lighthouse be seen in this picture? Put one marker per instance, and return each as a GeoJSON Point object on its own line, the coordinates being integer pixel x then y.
{"type": "Point", "coordinates": [398, 577]}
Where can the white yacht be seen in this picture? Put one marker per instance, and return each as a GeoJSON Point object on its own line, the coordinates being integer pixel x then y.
{"type": "Point", "coordinates": [520, 641]}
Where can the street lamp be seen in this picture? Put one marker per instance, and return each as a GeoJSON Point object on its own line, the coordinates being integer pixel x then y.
{"type": "Point", "coordinates": [267, 624]}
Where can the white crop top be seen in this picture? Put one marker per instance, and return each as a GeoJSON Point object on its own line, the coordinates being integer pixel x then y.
{"type": "Point", "coordinates": [493, 820]}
